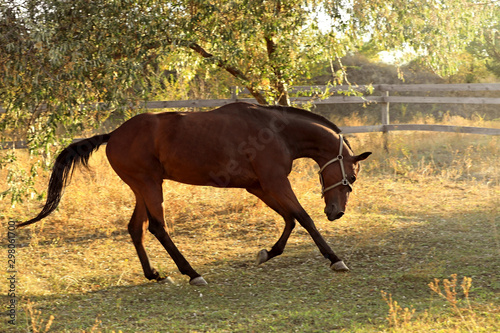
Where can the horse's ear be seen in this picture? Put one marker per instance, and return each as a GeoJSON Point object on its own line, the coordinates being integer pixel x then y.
{"type": "Point", "coordinates": [363, 156]}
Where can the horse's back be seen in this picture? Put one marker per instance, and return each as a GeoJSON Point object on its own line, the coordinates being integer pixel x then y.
{"type": "Point", "coordinates": [218, 147]}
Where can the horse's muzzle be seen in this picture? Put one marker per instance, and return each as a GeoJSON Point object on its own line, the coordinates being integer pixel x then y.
{"type": "Point", "coordinates": [332, 213]}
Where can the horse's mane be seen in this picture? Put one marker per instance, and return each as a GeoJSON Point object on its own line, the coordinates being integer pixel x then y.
{"type": "Point", "coordinates": [307, 114]}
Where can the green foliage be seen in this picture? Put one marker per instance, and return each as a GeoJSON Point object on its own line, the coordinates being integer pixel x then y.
{"type": "Point", "coordinates": [486, 46]}
{"type": "Point", "coordinates": [59, 55]}
{"type": "Point", "coordinates": [20, 183]}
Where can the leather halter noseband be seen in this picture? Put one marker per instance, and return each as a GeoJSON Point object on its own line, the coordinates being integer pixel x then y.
{"type": "Point", "coordinates": [340, 159]}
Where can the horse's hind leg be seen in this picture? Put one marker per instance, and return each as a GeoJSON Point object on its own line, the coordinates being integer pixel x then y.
{"type": "Point", "coordinates": [149, 206]}
{"type": "Point", "coordinates": [153, 197]}
{"type": "Point", "coordinates": [137, 227]}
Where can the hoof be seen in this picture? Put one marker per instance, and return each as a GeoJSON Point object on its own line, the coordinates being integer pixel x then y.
{"type": "Point", "coordinates": [167, 280]}
{"type": "Point", "coordinates": [198, 281]}
{"type": "Point", "coordinates": [262, 257]}
{"type": "Point", "coordinates": [339, 266]}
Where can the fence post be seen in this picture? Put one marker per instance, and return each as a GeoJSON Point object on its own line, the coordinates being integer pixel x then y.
{"type": "Point", "coordinates": [385, 119]}
{"type": "Point", "coordinates": [234, 93]}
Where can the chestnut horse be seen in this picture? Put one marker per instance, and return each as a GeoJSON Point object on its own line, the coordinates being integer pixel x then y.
{"type": "Point", "coordinates": [239, 145]}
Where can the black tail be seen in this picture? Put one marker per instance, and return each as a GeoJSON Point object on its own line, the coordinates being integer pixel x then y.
{"type": "Point", "coordinates": [73, 155]}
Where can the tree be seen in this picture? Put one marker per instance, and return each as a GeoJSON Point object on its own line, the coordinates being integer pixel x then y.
{"type": "Point", "coordinates": [72, 63]}
{"type": "Point", "coordinates": [492, 49]}
{"type": "Point", "coordinates": [486, 46]}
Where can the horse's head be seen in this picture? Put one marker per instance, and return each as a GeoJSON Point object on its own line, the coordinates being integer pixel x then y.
{"type": "Point", "coordinates": [337, 176]}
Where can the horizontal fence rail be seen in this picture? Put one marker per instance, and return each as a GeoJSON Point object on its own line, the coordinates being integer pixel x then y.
{"type": "Point", "coordinates": [321, 95]}
{"type": "Point", "coordinates": [421, 127]}
{"type": "Point", "coordinates": [395, 99]}
{"type": "Point", "coordinates": [404, 87]}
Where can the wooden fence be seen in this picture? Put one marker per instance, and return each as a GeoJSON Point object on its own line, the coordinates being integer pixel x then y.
{"type": "Point", "coordinates": [385, 99]}
{"type": "Point", "coordinates": [316, 95]}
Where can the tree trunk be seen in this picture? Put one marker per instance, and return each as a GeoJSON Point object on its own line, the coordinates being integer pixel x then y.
{"type": "Point", "coordinates": [278, 83]}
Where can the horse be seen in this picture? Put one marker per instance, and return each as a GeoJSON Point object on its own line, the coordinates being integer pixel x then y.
{"type": "Point", "coordinates": [239, 145]}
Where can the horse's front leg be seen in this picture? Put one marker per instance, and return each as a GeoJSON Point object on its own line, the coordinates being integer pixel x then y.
{"type": "Point", "coordinates": [336, 263]}
{"type": "Point", "coordinates": [280, 190]}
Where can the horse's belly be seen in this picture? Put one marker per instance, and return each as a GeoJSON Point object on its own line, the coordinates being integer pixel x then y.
{"type": "Point", "coordinates": [230, 174]}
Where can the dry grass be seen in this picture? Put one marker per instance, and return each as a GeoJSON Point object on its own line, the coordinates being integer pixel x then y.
{"type": "Point", "coordinates": [427, 209]}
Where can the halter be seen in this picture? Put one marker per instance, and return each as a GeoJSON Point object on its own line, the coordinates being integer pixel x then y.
{"type": "Point", "coordinates": [344, 180]}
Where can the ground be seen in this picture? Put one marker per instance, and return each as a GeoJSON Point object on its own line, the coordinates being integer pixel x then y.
{"type": "Point", "coordinates": [425, 210]}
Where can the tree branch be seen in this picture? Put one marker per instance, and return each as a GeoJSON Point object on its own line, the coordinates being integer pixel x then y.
{"type": "Point", "coordinates": [231, 70]}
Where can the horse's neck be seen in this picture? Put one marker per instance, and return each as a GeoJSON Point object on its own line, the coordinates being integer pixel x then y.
{"type": "Point", "coordinates": [312, 141]}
